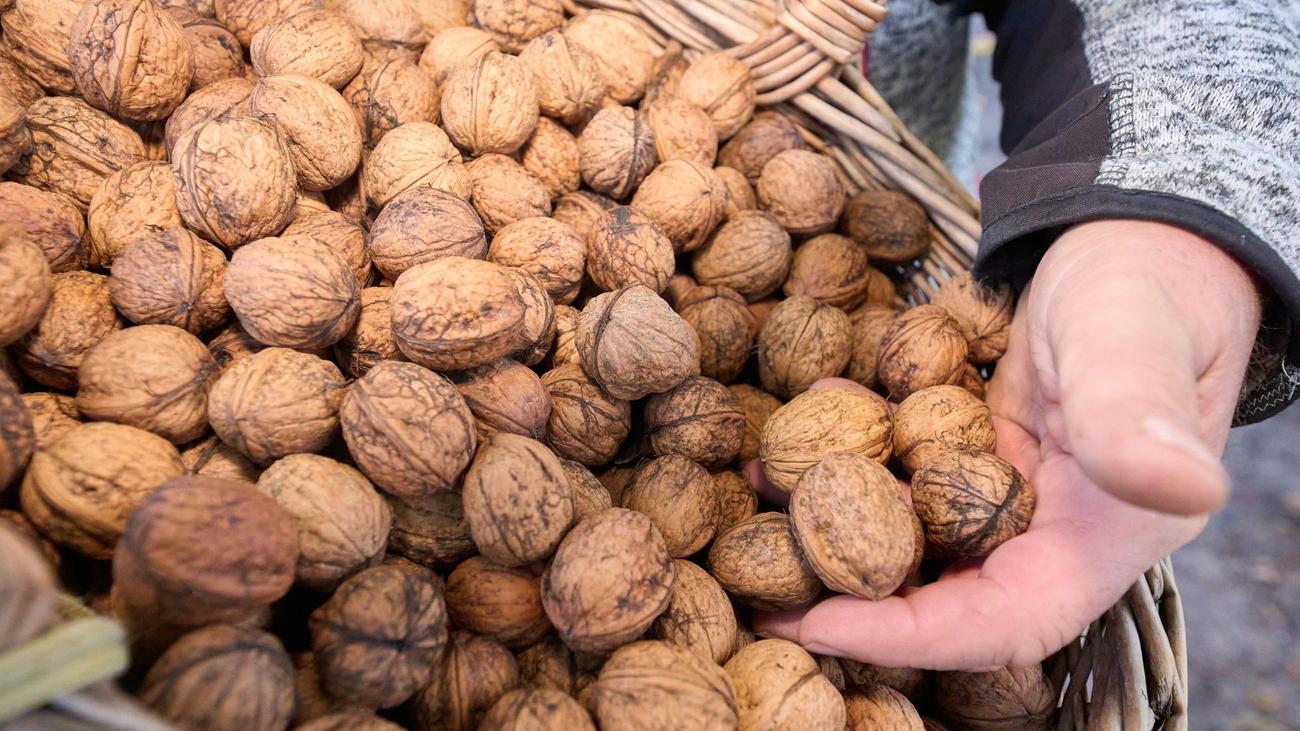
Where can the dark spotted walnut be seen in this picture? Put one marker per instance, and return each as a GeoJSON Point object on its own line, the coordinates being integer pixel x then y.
{"type": "Point", "coordinates": [750, 253]}
{"type": "Point", "coordinates": [699, 419]}
{"type": "Point", "coordinates": [699, 616]}
{"type": "Point", "coordinates": [678, 497]}
{"type": "Point", "coordinates": [802, 190]}
{"type": "Point", "coordinates": [506, 395]}
{"type": "Point", "coordinates": [587, 424]}
{"type": "Point", "coordinates": [625, 247]}
{"type": "Point", "coordinates": [889, 224]}
{"type": "Point", "coordinates": [391, 92]}
{"type": "Point", "coordinates": [940, 418]}
{"type": "Point", "coordinates": [78, 316]}
{"type": "Point", "coordinates": [47, 219]}
{"type": "Point", "coordinates": [970, 502]}
{"type": "Point", "coordinates": [517, 500]}
{"type": "Point", "coordinates": [536, 709]}
{"type": "Point", "coordinates": [431, 530]}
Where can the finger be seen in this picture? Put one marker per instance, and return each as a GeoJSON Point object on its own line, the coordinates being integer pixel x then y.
{"type": "Point", "coordinates": [766, 490]}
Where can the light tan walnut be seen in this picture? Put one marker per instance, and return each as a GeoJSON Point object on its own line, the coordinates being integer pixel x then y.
{"type": "Point", "coordinates": [130, 58]}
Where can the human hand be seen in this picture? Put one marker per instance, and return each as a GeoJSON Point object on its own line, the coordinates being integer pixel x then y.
{"type": "Point", "coordinates": [1114, 398]}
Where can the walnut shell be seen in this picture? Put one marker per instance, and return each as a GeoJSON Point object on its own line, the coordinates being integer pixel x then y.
{"type": "Point", "coordinates": [725, 327]}
{"type": "Point", "coordinates": [276, 402]}
{"type": "Point", "coordinates": [454, 47]}
{"type": "Point", "coordinates": [570, 85]}
{"type": "Point", "coordinates": [454, 313]}
{"type": "Point", "coordinates": [970, 502]}
{"type": "Point", "coordinates": [502, 603]}
{"type": "Point", "coordinates": [616, 151]}
{"type": "Point", "coordinates": [633, 344]}
{"type": "Point", "coordinates": [392, 28]}
{"type": "Point", "coordinates": [539, 319]}
{"type": "Point", "coordinates": [831, 269]}
{"type": "Point", "coordinates": [439, 15]}
{"type": "Point", "coordinates": [802, 190]}
{"type": "Point", "coordinates": [339, 234]}
{"type": "Point", "coordinates": [476, 672]}
{"type": "Point", "coordinates": [625, 247]}
{"type": "Point", "coordinates": [779, 685]}
{"type": "Point", "coordinates": [869, 323]}
{"type": "Point", "coordinates": [608, 581]}
{"type": "Point", "coordinates": [698, 419]}
{"type": "Point", "coordinates": [204, 549]}
{"type": "Point", "coordinates": [937, 419]}
{"type": "Point", "coordinates": [758, 406]}
{"type": "Point", "coordinates": [517, 500]}
{"type": "Point", "coordinates": [699, 616]}
{"type": "Point", "coordinates": [342, 522]}
{"type": "Point", "coordinates": [27, 288]}
{"type": "Point", "coordinates": [292, 291]}
{"type": "Point", "coordinates": [389, 93]}
{"type": "Point", "coordinates": [312, 42]}
{"type": "Point", "coordinates": [490, 104]}
{"type": "Point", "coordinates": [853, 525]}
{"type": "Point", "coordinates": [74, 148]}
{"type": "Point", "coordinates": [814, 424]}
{"type": "Point", "coordinates": [222, 677]}
{"type": "Point", "coordinates": [889, 224]}
{"type": "Point", "coordinates": [355, 719]}
{"type": "Point", "coordinates": [998, 700]}
{"type": "Point", "coordinates": [924, 347]}
{"type": "Point", "coordinates": [736, 499]}
{"type": "Point", "coordinates": [414, 155]}
{"type": "Point", "coordinates": [659, 685]}
{"type": "Point", "coordinates": [579, 210]}
{"type": "Point", "coordinates": [130, 58]}
{"type": "Point", "coordinates": [513, 23]}
{"type": "Point", "coordinates": [19, 88]}
{"type": "Point", "coordinates": [79, 315]}
{"type": "Point", "coordinates": [153, 377]}
{"type": "Point", "coordinates": [587, 424]}
{"type": "Point", "coordinates": [547, 665]}
{"type": "Point", "coordinates": [589, 495]}
{"type": "Point", "coordinates": [548, 249]}
{"type": "Point", "coordinates": [217, 53]}
{"type": "Point", "coordinates": [431, 530]}
{"type": "Point", "coordinates": [536, 709]}
{"type": "Point", "coordinates": [982, 313]}
{"type": "Point", "coordinates": [878, 706]}
{"type": "Point", "coordinates": [232, 344]}
{"type": "Point", "coordinates": [52, 414]}
{"type": "Point", "coordinates": [504, 192]}
{"type": "Point", "coordinates": [759, 562]}
{"type": "Point", "coordinates": [245, 18]}
{"type": "Point", "coordinates": [219, 195]}
{"type": "Point", "coordinates": [317, 124]}
{"type": "Point", "coordinates": [215, 458]}
{"type": "Point", "coordinates": [551, 156]}
{"type": "Point", "coordinates": [37, 36]}
{"type": "Point", "coordinates": [506, 395]}
{"type": "Point", "coordinates": [678, 497]}
{"type": "Point", "coordinates": [50, 220]}
{"type": "Point", "coordinates": [565, 349]}
{"type": "Point", "coordinates": [422, 225]}
{"type": "Point", "coordinates": [15, 138]}
{"type": "Point", "coordinates": [370, 341]}
{"type": "Point", "coordinates": [687, 201]}
{"type": "Point", "coordinates": [750, 253]}
{"type": "Point", "coordinates": [862, 675]}
{"type": "Point", "coordinates": [376, 639]}
{"type": "Point", "coordinates": [408, 429]}
{"type": "Point", "coordinates": [682, 131]}
{"type": "Point", "coordinates": [721, 85]}
{"type": "Point", "coordinates": [767, 135]}
{"type": "Point", "coordinates": [133, 202]}
{"type": "Point", "coordinates": [625, 52]}
{"type": "Point", "coordinates": [740, 196]}
{"type": "Point", "coordinates": [801, 342]}
{"type": "Point", "coordinates": [225, 98]}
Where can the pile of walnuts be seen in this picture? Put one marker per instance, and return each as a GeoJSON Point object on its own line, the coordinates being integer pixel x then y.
{"type": "Point", "coordinates": [396, 363]}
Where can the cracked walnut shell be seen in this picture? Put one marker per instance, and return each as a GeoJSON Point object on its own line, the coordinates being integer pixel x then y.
{"type": "Point", "coordinates": [759, 562]}
{"type": "Point", "coordinates": [316, 123]}
{"type": "Point", "coordinates": [779, 685]}
{"type": "Point", "coordinates": [721, 85]}
{"type": "Point", "coordinates": [517, 500]}
{"type": "Point", "coordinates": [499, 602]}
{"type": "Point", "coordinates": [750, 253]}
{"type": "Point", "coordinates": [170, 277]}
{"type": "Point", "coordinates": [633, 344]}
{"type": "Point", "coordinates": [313, 42]}
{"type": "Point", "coordinates": [982, 313]}
{"type": "Point", "coordinates": [678, 497]}
{"type": "Point", "coordinates": [616, 151]}
{"type": "Point", "coordinates": [570, 86]}
{"type": "Point", "coordinates": [667, 683]}
{"type": "Point", "coordinates": [924, 347]}
{"type": "Point", "coordinates": [801, 342]}
{"type": "Point", "coordinates": [454, 313]}
{"type": "Point", "coordinates": [79, 314]}
{"type": "Point", "coordinates": [130, 58]}
{"type": "Point", "coordinates": [937, 419]}
{"type": "Point", "coordinates": [292, 291]}
{"type": "Point", "coordinates": [490, 104]}
{"type": "Point", "coordinates": [687, 201]}
{"type": "Point", "coordinates": [587, 424]}
{"type": "Point", "coordinates": [802, 190]}
{"type": "Point", "coordinates": [421, 225]}
{"type": "Point", "coordinates": [971, 502]}
{"type": "Point", "coordinates": [624, 247]}
{"type": "Point", "coordinates": [816, 423]}
{"type": "Point", "coordinates": [698, 419]}
{"type": "Point", "coordinates": [699, 616]}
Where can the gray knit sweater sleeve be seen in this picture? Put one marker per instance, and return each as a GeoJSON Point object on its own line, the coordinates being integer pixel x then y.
{"type": "Point", "coordinates": [1181, 111]}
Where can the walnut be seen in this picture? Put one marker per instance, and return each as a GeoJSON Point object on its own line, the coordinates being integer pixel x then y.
{"type": "Point", "coordinates": [392, 28]}
{"type": "Point", "coordinates": [417, 154]}
{"type": "Point", "coordinates": [339, 234]}
{"type": "Point", "coordinates": [679, 285]}
{"type": "Point", "coordinates": [862, 675]}
{"type": "Point", "coordinates": [869, 325]}
{"type": "Point", "coordinates": [579, 209]}
{"type": "Point", "coordinates": [370, 341]}
{"type": "Point", "coordinates": [878, 706]}
{"type": "Point", "coordinates": [431, 530]}
{"type": "Point", "coordinates": [565, 349]}
{"type": "Point", "coordinates": [220, 677]}
{"type": "Point", "coordinates": [50, 220]}
{"type": "Point", "coordinates": [625, 52]}
{"type": "Point", "coordinates": [801, 342]}
{"type": "Point", "coordinates": [547, 665]}
{"type": "Point", "coordinates": [736, 499]}
{"type": "Point", "coordinates": [666, 75]}
{"type": "Point", "coordinates": [17, 432]}
{"type": "Point", "coordinates": [698, 419]}
{"type": "Point", "coordinates": [133, 202]}
{"type": "Point", "coordinates": [506, 396]}
{"type": "Point", "coordinates": [276, 402]}
{"type": "Point", "coordinates": [725, 327]}
{"type": "Point", "coordinates": [74, 147]}
{"type": "Point", "coordinates": [292, 291]}
{"type": "Point", "coordinates": [767, 135]}
{"type": "Point", "coordinates": [15, 138]}
{"type": "Point", "coordinates": [740, 196]}
{"type": "Point", "coordinates": [342, 522]}
{"type": "Point", "coordinates": [616, 151]}
{"type": "Point", "coordinates": [750, 253]}
{"type": "Point", "coordinates": [476, 672]}
{"type": "Point", "coordinates": [682, 131]}
{"type": "Point", "coordinates": [52, 414]}
{"type": "Point", "coordinates": [589, 496]}
{"type": "Point", "coordinates": [204, 549]}
{"type": "Point", "coordinates": [153, 377]}
{"type": "Point", "coordinates": [971, 502]}
{"type": "Point", "coordinates": [758, 406]}
{"type": "Point", "coordinates": [422, 225]}
{"type": "Point", "coordinates": [972, 381]}
{"type": "Point", "coordinates": [816, 423]}
{"type": "Point", "coordinates": [831, 269]}
{"type": "Point", "coordinates": [539, 319]}
{"type": "Point", "coordinates": [245, 18]}
{"type": "Point", "coordinates": [667, 683]}
{"type": "Point", "coordinates": [454, 313]}
{"type": "Point", "coordinates": [677, 495]}
{"type": "Point", "coordinates": [615, 480]}
{"type": "Point", "coordinates": [720, 85]}
{"type": "Point", "coordinates": [215, 458]}
{"type": "Point", "coordinates": [312, 42]}
{"type": "Point", "coordinates": [570, 86]}
{"type": "Point", "coordinates": [219, 195]}
{"type": "Point", "coordinates": [376, 639]}
{"type": "Point", "coordinates": [502, 603]}
{"type": "Point", "coordinates": [504, 192]}
{"type": "Point", "coordinates": [801, 190]}
{"type": "Point", "coordinates": [551, 156]}
{"type": "Point", "coordinates": [633, 344]}
{"type": "Point", "coordinates": [19, 88]}
{"type": "Point", "coordinates": [513, 23]}
{"type": "Point", "coordinates": [1019, 698]}
{"type": "Point", "coordinates": [536, 709]}
{"type": "Point", "coordinates": [924, 347]}
{"type": "Point", "coordinates": [453, 47]}
{"type": "Point", "coordinates": [937, 419]}
{"type": "Point", "coordinates": [216, 51]}
{"type": "Point", "coordinates": [225, 98]}
{"type": "Point", "coordinates": [982, 313]}
{"type": "Point", "coordinates": [389, 93]}
{"type": "Point", "coordinates": [608, 581]}
{"type": "Point", "coordinates": [130, 58]}
{"type": "Point", "coordinates": [890, 224]}
{"type": "Point", "coordinates": [853, 525]}
{"type": "Point", "coordinates": [686, 199]}
{"type": "Point", "coordinates": [37, 36]}
{"type": "Point", "coordinates": [699, 616]}
{"type": "Point", "coordinates": [79, 315]}
{"type": "Point", "coordinates": [27, 288]}
{"type": "Point", "coordinates": [490, 104]}
{"type": "Point", "coordinates": [517, 500]}
{"type": "Point", "coordinates": [778, 685]}
{"type": "Point", "coordinates": [317, 124]}
{"type": "Point", "coordinates": [439, 15]}
{"type": "Point", "coordinates": [203, 8]}
{"type": "Point", "coordinates": [354, 719]}
{"type": "Point", "coordinates": [548, 249]}
{"type": "Point", "coordinates": [759, 562]}
{"type": "Point", "coordinates": [624, 247]}
{"type": "Point", "coordinates": [587, 424]}
{"type": "Point", "coordinates": [349, 199]}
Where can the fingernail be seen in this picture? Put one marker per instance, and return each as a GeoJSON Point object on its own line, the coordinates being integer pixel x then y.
{"type": "Point", "coordinates": [818, 649]}
{"type": "Point", "coordinates": [1171, 435]}
{"type": "Point", "coordinates": [762, 633]}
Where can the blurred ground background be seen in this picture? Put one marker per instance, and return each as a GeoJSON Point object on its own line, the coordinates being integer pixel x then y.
{"type": "Point", "coordinates": [1240, 580]}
